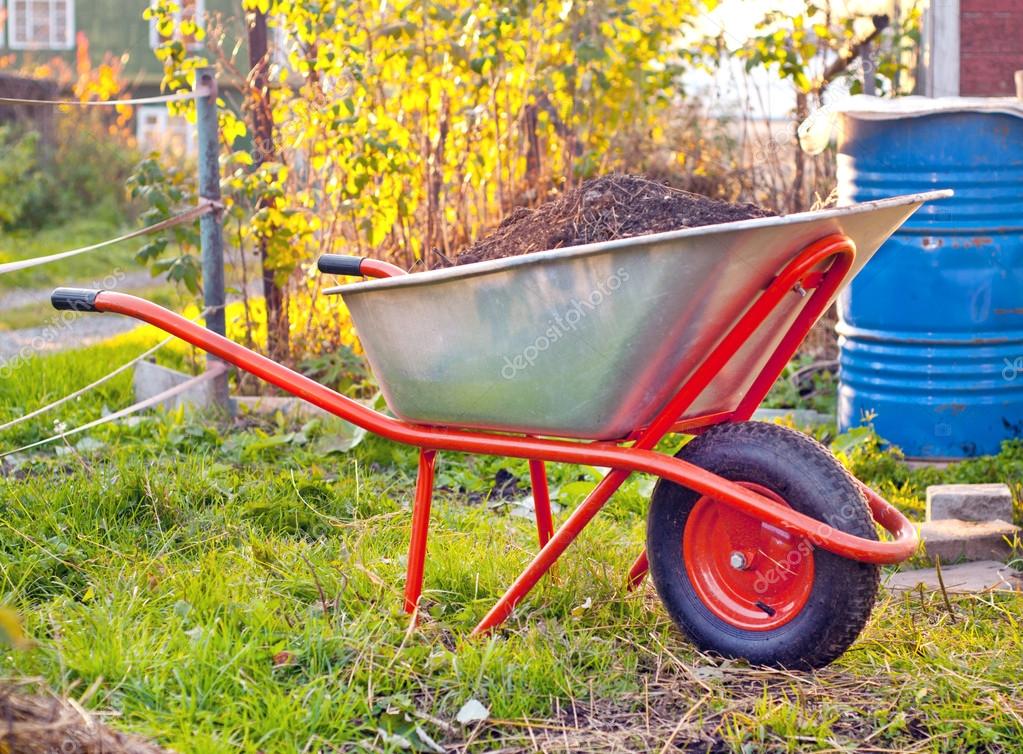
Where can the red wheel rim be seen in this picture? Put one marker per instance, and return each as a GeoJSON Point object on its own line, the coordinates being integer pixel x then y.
{"type": "Point", "coordinates": [748, 573]}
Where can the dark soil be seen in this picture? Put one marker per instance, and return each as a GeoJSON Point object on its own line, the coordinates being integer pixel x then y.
{"type": "Point", "coordinates": [603, 209]}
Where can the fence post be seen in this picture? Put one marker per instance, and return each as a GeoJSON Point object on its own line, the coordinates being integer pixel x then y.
{"type": "Point", "coordinates": [211, 231]}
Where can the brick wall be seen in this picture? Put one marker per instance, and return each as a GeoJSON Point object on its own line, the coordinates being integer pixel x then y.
{"type": "Point", "coordinates": [991, 46]}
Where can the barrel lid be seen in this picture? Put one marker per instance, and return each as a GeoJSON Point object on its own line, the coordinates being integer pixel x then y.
{"type": "Point", "coordinates": [884, 108]}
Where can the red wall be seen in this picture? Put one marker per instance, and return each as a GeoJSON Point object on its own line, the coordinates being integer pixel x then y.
{"type": "Point", "coordinates": [991, 46]}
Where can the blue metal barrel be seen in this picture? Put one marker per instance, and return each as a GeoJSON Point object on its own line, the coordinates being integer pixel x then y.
{"type": "Point", "coordinates": [931, 331]}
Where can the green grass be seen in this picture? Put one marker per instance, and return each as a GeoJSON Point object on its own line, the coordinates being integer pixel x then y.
{"type": "Point", "coordinates": [237, 588]}
{"type": "Point", "coordinates": [73, 234]}
{"type": "Point", "coordinates": [40, 380]}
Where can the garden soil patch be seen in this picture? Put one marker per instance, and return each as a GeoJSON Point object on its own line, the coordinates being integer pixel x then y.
{"type": "Point", "coordinates": [604, 209]}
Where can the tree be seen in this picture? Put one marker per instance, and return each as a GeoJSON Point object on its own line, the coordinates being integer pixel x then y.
{"type": "Point", "coordinates": [404, 129]}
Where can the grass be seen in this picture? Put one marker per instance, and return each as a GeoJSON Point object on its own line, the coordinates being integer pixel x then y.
{"type": "Point", "coordinates": [42, 379]}
{"type": "Point", "coordinates": [229, 588]}
{"type": "Point", "coordinates": [73, 234]}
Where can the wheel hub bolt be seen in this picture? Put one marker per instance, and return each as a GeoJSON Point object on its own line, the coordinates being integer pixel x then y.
{"type": "Point", "coordinates": [738, 561]}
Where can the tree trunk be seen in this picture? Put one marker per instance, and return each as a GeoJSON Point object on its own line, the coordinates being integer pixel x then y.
{"type": "Point", "coordinates": [796, 196]}
{"type": "Point", "coordinates": [264, 150]}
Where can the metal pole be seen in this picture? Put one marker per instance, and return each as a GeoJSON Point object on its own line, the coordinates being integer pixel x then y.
{"type": "Point", "coordinates": [211, 231]}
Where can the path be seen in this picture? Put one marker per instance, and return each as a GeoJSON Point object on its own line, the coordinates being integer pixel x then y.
{"type": "Point", "coordinates": [20, 297]}
{"type": "Point", "coordinates": [67, 330]}
{"type": "Point", "coordinates": [64, 329]}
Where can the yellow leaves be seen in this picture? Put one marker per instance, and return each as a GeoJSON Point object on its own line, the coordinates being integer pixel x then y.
{"type": "Point", "coordinates": [11, 632]}
{"type": "Point", "coordinates": [392, 108]}
{"type": "Point", "coordinates": [232, 128]}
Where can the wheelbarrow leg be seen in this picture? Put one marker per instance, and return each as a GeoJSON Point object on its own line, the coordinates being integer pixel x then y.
{"type": "Point", "coordinates": [638, 571]}
{"type": "Point", "coordinates": [420, 527]}
{"type": "Point", "coordinates": [541, 501]}
{"type": "Point", "coordinates": [544, 559]}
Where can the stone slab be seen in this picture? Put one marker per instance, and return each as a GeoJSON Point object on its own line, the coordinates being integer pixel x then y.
{"type": "Point", "coordinates": [969, 502]}
{"type": "Point", "coordinates": [954, 540]}
{"type": "Point", "coordinates": [965, 578]}
{"type": "Point", "coordinates": [152, 379]}
{"type": "Point", "coordinates": [271, 404]}
{"type": "Point", "coordinates": [801, 417]}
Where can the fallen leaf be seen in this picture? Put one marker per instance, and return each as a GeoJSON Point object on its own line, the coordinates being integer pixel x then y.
{"type": "Point", "coordinates": [283, 658]}
{"type": "Point", "coordinates": [11, 632]}
{"type": "Point", "coordinates": [580, 609]}
{"type": "Point", "coordinates": [473, 711]}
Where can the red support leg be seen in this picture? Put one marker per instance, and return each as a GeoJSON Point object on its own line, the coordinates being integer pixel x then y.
{"type": "Point", "coordinates": [541, 501]}
{"type": "Point", "coordinates": [552, 550]}
{"type": "Point", "coordinates": [638, 571]}
{"type": "Point", "coordinates": [420, 527]}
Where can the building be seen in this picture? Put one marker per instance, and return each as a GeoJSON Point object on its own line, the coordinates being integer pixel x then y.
{"type": "Point", "coordinates": [36, 31]}
{"type": "Point", "coordinates": [972, 48]}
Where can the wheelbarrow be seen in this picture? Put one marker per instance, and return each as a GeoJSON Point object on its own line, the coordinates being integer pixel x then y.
{"type": "Point", "coordinates": [759, 543]}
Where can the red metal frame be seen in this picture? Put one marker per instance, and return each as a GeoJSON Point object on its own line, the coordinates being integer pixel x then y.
{"type": "Point", "coordinates": [420, 527]}
{"type": "Point", "coordinates": [821, 266]}
{"type": "Point", "coordinates": [374, 268]}
{"type": "Point", "coordinates": [541, 501]}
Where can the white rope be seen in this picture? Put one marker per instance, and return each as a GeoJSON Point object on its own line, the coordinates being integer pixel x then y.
{"type": "Point", "coordinates": [201, 91]}
{"type": "Point", "coordinates": [215, 370]}
{"type": "Point", "coordinates": [106, 378]}
{"type": "Point", "coordinates": [92, 386]}
{"type": "Point", "coordinates": [205, 206]}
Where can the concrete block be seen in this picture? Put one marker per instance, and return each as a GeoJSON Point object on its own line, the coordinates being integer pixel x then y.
{"type": "Point", "coordinates": [294, 408]}
{"type": "Point", "coordinates": [801, 417]}
{"type": "Point", "coordinates": [966, 578]}
{"type": "Point", "coordinates": [954, 540]}
{"type": "Point", "coordinates": [969, 502]}
{"type": "Point", "coordinates": [151, 380]}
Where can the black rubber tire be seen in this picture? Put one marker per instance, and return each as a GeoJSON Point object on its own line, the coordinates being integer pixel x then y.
{"type": "Point", "coordinates": [804, 474]}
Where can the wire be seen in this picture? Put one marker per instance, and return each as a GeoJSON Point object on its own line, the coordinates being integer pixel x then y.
{"type": "Point", "coordinates": [215, 370]}
{"type": "Point", "coordinates": [204, 207]}
{"type": "Point", "coordinates": [196, 93]}
{"type": "Point", "coordinates": [78, 393]}
{"type": "Point", "coordinates": [106, 378]}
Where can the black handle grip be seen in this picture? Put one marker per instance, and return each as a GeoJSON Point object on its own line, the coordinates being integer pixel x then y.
{"type": "Point", "coordinates": [340, 264]}
{"type": "Point", "coordinates": [74, 299]}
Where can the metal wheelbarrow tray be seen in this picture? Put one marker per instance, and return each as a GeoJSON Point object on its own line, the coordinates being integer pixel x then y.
{"type": "Point", "coordinates": [759, 543]}
{"type": "Point", "coordinates": [591, 341]}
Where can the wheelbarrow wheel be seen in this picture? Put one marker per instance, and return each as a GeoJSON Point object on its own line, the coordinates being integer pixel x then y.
{"type": "Point", "coordinates": [741, 588]}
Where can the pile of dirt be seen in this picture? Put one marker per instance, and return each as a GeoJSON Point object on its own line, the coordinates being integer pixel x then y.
{"type": "Point", "coordinates": [44, 723]}
{"type": "Point", "coordinates": [604, 209]}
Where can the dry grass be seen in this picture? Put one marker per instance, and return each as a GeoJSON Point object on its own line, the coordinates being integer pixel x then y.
{"type": "Point", "coordinates": [33, 720]}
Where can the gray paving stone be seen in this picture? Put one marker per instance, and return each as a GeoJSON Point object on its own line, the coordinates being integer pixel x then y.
{"type": "Point", "coordinates": [152, 379]}
{"type": "Point", "coordinates": [965, 578]}
{"type": "Point", "coordinates": [954, 540]}
{"type": "Point", "coordinates": [969, 502]}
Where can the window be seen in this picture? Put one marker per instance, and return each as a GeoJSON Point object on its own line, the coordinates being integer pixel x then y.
{"type": "Point", "coordinates": [41, 24]}
{"type": "Point", "coordinates": [190, 10]}
{"type": "Point", "coordinates": [158, 131]}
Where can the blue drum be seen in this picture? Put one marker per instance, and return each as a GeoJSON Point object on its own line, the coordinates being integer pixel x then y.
{"type": "Point", "coordinates": [931, 331]}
